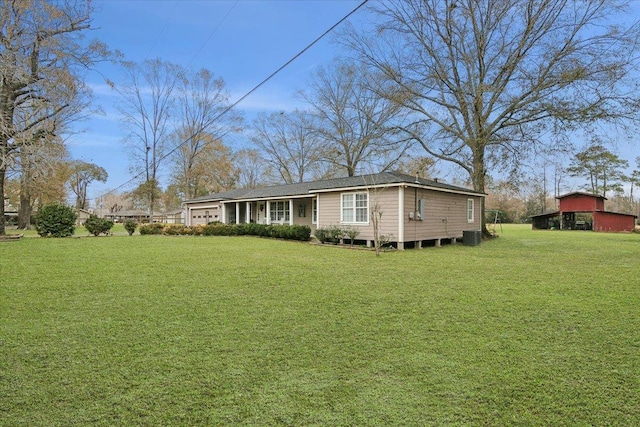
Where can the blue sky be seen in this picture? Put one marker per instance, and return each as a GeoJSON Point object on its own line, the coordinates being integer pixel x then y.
{"type": "Point", "coordinates": [241, 41]}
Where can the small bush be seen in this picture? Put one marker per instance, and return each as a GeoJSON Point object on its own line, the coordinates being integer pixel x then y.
{"type": "Point", "coordinates": [153, 228]}
{"type": "Point", "coordinates": [56, 220]}
{"type": "Point", "coordinates": [97, 226]}
{"type": "Point", "coordinates": [321, 235]}
{"type": "Point", "coordinates": [130, 225]}
{"type": "Point", "coordinates": [333, 233]}
{"type": "Point", "coordinates": [351, 232]}
{"type": "Point", "coordinates": [177, 230]}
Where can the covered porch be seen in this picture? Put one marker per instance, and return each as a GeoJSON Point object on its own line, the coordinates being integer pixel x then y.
{"type": "Point", "coordinates": [286, 211]}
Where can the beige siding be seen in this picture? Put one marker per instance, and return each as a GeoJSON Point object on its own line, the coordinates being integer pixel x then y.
{"type": "Point", "coordinates": [302, 216]}
{"type": "Point", "coordinates": [387, 199]}
{"type": "Point", "coordinates": [445, 215]}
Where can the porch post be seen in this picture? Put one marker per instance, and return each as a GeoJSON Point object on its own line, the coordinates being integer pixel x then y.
{"type": "Point", "coordinates": [247, 216]}
{"type": "Point", "coordinates": [290, 211]}
{"type": "Point", "coordinates": [237, 213]}
{"type": "Point", "coordinates": [267, 213]}
{"type": "Point", "coordinates": [223, 214]}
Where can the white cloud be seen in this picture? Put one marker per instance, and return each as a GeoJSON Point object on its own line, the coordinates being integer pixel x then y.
{"type": "Point", "coordinates": [267, 100]}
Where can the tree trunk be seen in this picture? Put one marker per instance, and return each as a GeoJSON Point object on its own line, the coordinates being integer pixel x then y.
{"type": "Point", "coordinates": [3, 172]}
{"type": "Point", "coordinates": [24, 212]}
{"type": "Point", "coordinates": [478, 178]}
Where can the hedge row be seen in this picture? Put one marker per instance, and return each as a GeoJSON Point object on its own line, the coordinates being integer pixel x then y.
{"type": "Point", "coordinates": [289, 232]}
{"type": "Point", "coordinates": [333, 233]}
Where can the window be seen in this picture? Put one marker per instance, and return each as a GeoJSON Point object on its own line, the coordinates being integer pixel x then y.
{"type": "Point", "coordinates": [420, 210]}
{"type": "Point", "coordinates": [279, 211]}
{"type": "Point", "coordinates": [470, 213]}
{"type": "Point", "coordinates": [314, 211]}
{"type": "Point", "coordinates": [354, 208]}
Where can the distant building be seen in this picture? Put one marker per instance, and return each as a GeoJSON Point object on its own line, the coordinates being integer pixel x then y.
{"type": "Point", "coordinates": [583, 211]}
{"type": "Point", "coordinates": [83, 216]}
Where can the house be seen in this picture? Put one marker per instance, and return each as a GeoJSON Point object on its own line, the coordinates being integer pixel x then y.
{"type": "Point", "coordinates": [169, 217]}
{"type": "Point", "coordinates": [83, 216]}
{"type": "Point", "coordinates": [137, 215]}
{"type": "Point", "coordinates": [583, 211]}
{"type": "Point", "coordinates": [414, 210]}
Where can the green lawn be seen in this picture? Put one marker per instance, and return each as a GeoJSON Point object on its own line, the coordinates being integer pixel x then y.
{"type": "Point", "coordinates": [534, 328]}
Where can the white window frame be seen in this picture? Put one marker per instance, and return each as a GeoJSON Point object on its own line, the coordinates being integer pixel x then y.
{"type": "Point", "coordinates": [282, 211]}
{"type": "Point", "coordinates": [470, 210]}
{"type": "Point", "coordinates": [353, 208]}
{"type": "Point", "coordinates": [314, 210]}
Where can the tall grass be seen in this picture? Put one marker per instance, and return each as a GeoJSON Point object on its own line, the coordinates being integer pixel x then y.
{"type": "Point", "coordinates": [534, 328]}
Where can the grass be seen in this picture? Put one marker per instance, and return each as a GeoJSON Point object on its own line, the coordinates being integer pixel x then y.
{"type": "Point", "coordinates": [80, 231]}
{"type": "Point", "coordinates": [534, 328]}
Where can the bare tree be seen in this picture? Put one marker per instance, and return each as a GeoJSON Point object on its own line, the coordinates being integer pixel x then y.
{"type": "Point", "coordinates": [354, 119]}
{"type": "Point", "coordinates": [288, 142]}
{"type": "Point", "coordinates": [42, 165]}
{"type": "Point", "coordinates": [211, 170]}
{"type": "Point", "coordinates": [420, 166]}
{"type": "Point", "coordinates": [40, 58]}
{"type": "Point", "coordinates": [81, 175]}
{"type": "Point", "coordinates": [253, 170]}
{"type": "Point", "coordinates": [483, 78]}
{"type": "Point", "coordinates": [147, 102]}
{"type": "Point", "coordinates": [204, 116]}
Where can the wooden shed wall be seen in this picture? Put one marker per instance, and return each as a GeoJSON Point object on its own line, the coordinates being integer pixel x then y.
{"type": "Point", "coordinates": [609, 221]}
{"type": "Point", "coordinates": [581, 203]}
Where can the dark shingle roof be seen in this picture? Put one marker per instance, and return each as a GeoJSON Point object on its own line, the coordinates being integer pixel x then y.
{"type": "Point", "coordinates": [304, 188]}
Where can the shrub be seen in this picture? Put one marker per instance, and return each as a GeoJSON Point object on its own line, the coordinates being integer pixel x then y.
{"type": "Point", "coordinates": [333, 233]}
{"type": "Point", "coordinates": [130, 225]}
{"type": "Point", "coordinates": [290, 232]}
{"type": "Point", "coordinates": [97, 226]}
{"type": "Point", "coordinates": [301, 232]}
{"type": "Point", "coordinates": [321, 234]}
{"type": "Point", "coordinates": [56, 220]}
{"type": "Point", "coordinates": [177, 230]}
{"type": "Point", "coordinates": [351, 232]}
{"type": "Point", "coordinates": [153, 228]}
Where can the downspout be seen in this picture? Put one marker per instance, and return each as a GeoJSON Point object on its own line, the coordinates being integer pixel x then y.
{"type": "Point", "coordinates": [400, 217]}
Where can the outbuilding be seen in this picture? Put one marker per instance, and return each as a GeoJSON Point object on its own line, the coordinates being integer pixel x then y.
{"type": "Point", "coordinates": [583, 211]}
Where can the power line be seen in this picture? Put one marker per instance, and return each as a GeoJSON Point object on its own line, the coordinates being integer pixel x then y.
{"type": "Point", "coordinates": [243, 97]}
{"type": "Point", "coordinates": [166, 22]}
{"type": "Point", "coordinates": [224, 18]}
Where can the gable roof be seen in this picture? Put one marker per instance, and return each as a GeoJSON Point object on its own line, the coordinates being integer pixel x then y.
{"type": "Point", "coordinates": [352, 182]}
{"type": "Point", "coordinates": [581, 194]}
